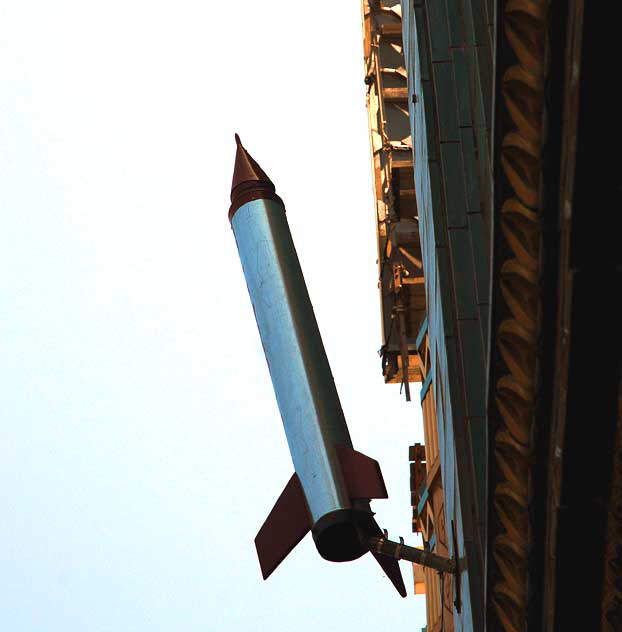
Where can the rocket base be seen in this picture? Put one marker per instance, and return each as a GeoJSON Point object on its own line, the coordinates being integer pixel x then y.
{"type": "Point", "coordinates": [342, 535]}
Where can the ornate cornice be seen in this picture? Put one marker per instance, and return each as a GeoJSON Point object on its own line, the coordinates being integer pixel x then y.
{"type": "Point", "coordinates": [518, 272]}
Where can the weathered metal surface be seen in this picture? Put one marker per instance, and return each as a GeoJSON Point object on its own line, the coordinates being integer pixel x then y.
{"type": "Point", "coordinates": [401, 551]}
{"type": "Point", "coordinates": [303, 384]}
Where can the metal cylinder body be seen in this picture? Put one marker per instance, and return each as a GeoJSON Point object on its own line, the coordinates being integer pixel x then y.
{"type": "Point", "coordinates": [305, 390]}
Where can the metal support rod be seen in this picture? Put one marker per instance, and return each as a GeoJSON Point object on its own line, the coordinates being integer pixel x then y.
{"type": "Point", "coordinates": [401, 313]}
{"type": "Point", "coordinates": [402, 551]}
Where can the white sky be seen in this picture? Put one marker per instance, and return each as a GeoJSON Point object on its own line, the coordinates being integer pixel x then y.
{"type": "Point", "coordinates": [141, 446]}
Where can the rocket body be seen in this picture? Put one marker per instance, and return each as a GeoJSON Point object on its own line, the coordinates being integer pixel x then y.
{"type": "Point", "coordinates": [330, 490]}
{"type": "Point", "coordinates": [305, 391]}
{"type": "Point", "coordinates": [301, 377]}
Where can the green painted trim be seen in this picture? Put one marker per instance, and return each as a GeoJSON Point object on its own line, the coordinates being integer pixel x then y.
{"type": "Point", "coordinates": [426, 386]}
{"type": "Point", "coordinates": [432, 542]}
{"type": "Point", "coordinates": [422, 502]}
{"type": "Point", "coordinates": [423, 330]}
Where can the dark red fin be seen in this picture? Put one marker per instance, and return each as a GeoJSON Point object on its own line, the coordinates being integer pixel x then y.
{"type": "Point", "coordinates": [391, 568]}
{"type": "Point", "coordinates": [285, 526]}
{"type": "Point", "coordinates": [362, 474]}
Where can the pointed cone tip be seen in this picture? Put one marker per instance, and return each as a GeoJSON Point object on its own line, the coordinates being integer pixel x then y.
{"type": "Point", "coordinates": [250, 181]}
{"type": "Point", "coordinates": [246, 169]}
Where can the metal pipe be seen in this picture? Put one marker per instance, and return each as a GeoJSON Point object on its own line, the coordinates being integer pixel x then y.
{"type": "Point", "coordinates": [401, 315]}
{"type": "Point", "coordinates": [401, 551]}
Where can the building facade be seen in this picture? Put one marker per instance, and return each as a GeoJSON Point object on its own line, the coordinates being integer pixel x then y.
{"type": "Point", "coordinates": [449, 217]}
{"type": "Point", "coordinates": [493, 139]}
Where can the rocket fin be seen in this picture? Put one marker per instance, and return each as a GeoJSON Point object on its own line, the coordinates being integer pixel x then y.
{"type": "Point", "coordinates": [362, 474]}
{"type": "Point", "coordinates": [391, 568]}
{"type": "Point", "coordinates": [285, 526]}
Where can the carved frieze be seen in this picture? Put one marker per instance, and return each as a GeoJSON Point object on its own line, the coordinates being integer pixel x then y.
{"type": "Point", "coordinates": [524, 24]}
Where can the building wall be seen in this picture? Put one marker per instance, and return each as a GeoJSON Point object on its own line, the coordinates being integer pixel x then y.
{"type": "Point", "coordinates": [429, 499]}
{"type": "Point", "coordinates": [400, 274]}
{"type": "Point", "coordinates": [447, 49]}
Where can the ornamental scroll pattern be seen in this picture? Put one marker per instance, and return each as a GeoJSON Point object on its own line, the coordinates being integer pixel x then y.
{"type": "Point", "coordinates": [525, 29]}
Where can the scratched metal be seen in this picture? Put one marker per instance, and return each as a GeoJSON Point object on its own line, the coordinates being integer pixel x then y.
{"type": "Point", "coordinates": [301, 376]}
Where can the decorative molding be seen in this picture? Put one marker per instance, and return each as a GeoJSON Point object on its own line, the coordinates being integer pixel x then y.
{"type": "Point", "coordinates": [524, 24]}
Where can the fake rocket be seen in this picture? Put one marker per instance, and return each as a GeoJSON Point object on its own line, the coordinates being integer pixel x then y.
{"type": "Point", "coordinates": [332, 485]}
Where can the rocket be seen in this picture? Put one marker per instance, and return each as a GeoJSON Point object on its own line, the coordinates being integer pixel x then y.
{"type": "Point", "coordinates": [332, 485]}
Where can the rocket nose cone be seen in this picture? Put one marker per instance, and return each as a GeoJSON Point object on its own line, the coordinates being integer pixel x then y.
{"type": "Point", "coordinates": [250, 182]}
{"type": "Point", "coordinates": [246, 169]}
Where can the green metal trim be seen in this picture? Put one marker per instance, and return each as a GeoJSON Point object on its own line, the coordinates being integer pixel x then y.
{"type": "Point", "coordinates": [422, 332]}
{"type": "Point", "coordinates": [432, 542]}
{"type": "Point", "coordinates": [426, 386]}
{"type": "Point", "coordinates": [422, 502]}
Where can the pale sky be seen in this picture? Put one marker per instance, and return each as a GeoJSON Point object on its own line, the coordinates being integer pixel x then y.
{"type": "Point", "coordinates": [141, 446]}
